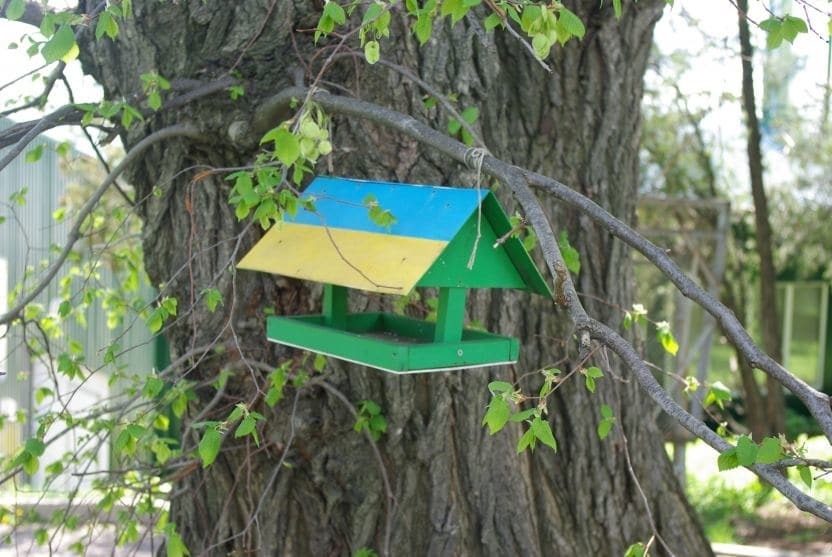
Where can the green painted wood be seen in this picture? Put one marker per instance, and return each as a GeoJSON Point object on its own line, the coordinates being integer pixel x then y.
{"type": "Point", "coordinates": [506, 266]}
{"type": "Point", "coordinates": [520, 258]}
{"type": "Point", "coordinates": [392, 342]}
{"type": "Point", "coordinates": [492, 267]}
{"type": "Point", "coordinates": [335, 305]}
{"type": "Point", "coordinates": [450, 314]}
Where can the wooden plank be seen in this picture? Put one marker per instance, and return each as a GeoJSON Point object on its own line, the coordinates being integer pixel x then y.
{"type": "Point", "coordinates": [450, 314]}
{"type": "Point", "coordinates": [335, 306]}
{"type": "Point", "coordinates": [356, 259]}
{"type": "Point", "coordinates": [383, 341]}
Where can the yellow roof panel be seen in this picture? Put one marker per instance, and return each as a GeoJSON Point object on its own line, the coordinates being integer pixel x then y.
{"type": "Point", "coordinates": [352, 258]}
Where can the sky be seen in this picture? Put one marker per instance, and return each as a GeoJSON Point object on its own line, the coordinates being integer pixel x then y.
{"type": "Point", "coordinates": [711, 76]}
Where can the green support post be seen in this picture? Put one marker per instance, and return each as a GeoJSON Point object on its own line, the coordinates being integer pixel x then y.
{"type": "Point", "coordinates": [335, 306]}
{"type": "Point", "coordinates": [450, 315]}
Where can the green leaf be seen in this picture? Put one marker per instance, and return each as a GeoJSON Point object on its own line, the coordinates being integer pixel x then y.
{"type": "Point", "coordinates": [246, 426]}
{"type": "Point", "coordinates": [523, 415]}
{"type": "Point", "coordinates": [636, 549]}
{"type": "Point", "coordinates": [153, 386]}
{"type": "Point", "coordinates": [604, 428]}
{"type": "Point", "coordinates": [373, 11]}
{"type": "Point", "coordinates": [594, 372]}
{"type": "Point", "coordinates": [727, 460]}
{"type": "Point", "coordinates": [175, 547]}
{"type": "Point", "coordinates": [372, 52]}
{"type": "Point", "coordinates": [154, 100]}
{"type": "Point", "coordinates": [792, 26]}
{"type": "Point", "coordinates": [770, 451]}
{"type": "Point", "coordinates": [497, 415]}
{"type": "Point", "coordinates": [107, 25]}
{"type": "Point", "coordinates": [277, 378]}
{"type": "Point", "coordinates": [15, 9]}
{"type": "Point", "coordinates": [541, 45]}
{"type": "Point", "coordinates": [423, 27]}
{"type": "Point", "coordinates": [34, 155]}
{"type": "Point", "coordinates": [470, 114]}
{"type": "Point", "coordinates": [29, 463]}
{"type": "Point", "coordinates": [570, 255]}
{"type": "Point", "coordinates": [41, 536]}
{"type": "Point", "coordinates": [169, 305]}
{"type": "Point", "coordinates": [492, 21]}
{"type": "Point", "coordinates": [179, 405]}
{"type": "Point", "coordinates": [369, 407]}
{"type": "Point", "coordinates": [335, 12]}
{"type": "Point", "coordinates": [590, 375]}
{"type": "Point", "coordinates": [209, 446]}
{"type": "Point", "coordinates": [718, 393]}
{"type": "Point", "coordinates": [590, 384]}
{"type": "Point", "coordinates": [746, 451]}
{"type": "Point", "coordinates": [665, 336]}
{"type": "Point", "coordinates": [526, 441]}
{"type": "Point", "coordinates": [60, 46]}
{"type": "Point", "coordinates": [572, 23]}
{"type": "Point", "coordinates": [805, 475]}
{"type": "Point", "coordinates": [42, 394]}
{"type": "Point", "coordinates": [65, 308]}
{"type": "Point", "coordinates": [213, 298]}
{"type": "Point", "coordinates": [500, 387]}
{"type": "Point", "coordinates": [606, 411]}
{"type": "Point", "coordinates": [774, 32]}
{"type": "Point", "coordinates": [155, 320]}
{"type": "Point", "coordinates": [35, 447]}
{"type": "Point", "coordinates": [286, 145]}
{"type": "Point", "coordinates": [543, 432]}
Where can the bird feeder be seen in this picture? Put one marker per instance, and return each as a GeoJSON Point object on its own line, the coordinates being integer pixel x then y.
{"type": "Point", "coordinates": [345, 238]}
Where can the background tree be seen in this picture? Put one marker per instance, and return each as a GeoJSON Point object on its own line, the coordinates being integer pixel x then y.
{"type": "Point", "coordinates": [769, 322]}
{"type": "Point", "coordinates": [211, 80]}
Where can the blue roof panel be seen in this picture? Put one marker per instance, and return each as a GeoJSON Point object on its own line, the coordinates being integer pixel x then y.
{"type": "Point", "coordinates": [429, 212]}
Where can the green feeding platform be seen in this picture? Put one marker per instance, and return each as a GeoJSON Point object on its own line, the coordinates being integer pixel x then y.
{"type": "Point", "coordinates": [428, 242]}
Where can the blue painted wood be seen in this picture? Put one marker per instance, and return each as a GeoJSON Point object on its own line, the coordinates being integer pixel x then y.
{"type": "Point", "coordinates": [429, 212]}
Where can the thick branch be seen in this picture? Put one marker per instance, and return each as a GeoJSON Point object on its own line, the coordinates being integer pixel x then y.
{"type": "Point", "coordinates": [815, 401]}
{"type": "Point", "coordinates": [20, 135]}
{"type": "Point", "coordinates": [178, 130]}
{"type": "Point", "coordinates": [645, 378]}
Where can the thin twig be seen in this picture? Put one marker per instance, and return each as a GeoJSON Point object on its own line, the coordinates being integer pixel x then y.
{"type": "Point", "coordinates": [177, 130]}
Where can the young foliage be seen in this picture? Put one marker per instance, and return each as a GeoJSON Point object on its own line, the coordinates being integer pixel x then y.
{"type": "Point", "coordinates": [785, 28]}
{"type": "Point", "coordinates": [606, 423]}
{"type": "Point", "coordinates": [590, 376]}
{"type": "Point", "coordinates": [570, 255]}
{"type": "Point", "coordinates": [370, 419]}
{"type": "Point", "coordinates": [666, 338]}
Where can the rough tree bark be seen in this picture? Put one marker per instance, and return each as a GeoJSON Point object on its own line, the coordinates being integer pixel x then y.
{"type": "Point", "coordinates": [775, 408]}
{"type": "Point", "coordinates": [457, 490]}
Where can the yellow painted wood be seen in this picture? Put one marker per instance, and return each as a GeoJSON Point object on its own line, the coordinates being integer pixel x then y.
{"type": "Point", "coordinates": [352, 258]}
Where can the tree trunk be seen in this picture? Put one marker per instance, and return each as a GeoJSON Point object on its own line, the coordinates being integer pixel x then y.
{"type": "Point", "coordinates": [458, 491]}
{"type": "Point", "coordinates": [769, 322]}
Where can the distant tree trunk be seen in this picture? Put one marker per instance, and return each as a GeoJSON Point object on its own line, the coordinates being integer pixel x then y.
{"type": "Point", "coordinates": [769, 322]}
{"type": "Point", "coordinates": [458, 491]}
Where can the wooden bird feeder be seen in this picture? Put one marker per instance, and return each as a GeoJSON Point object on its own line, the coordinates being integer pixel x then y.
{"type": "Point", "coordinates": [428, 245]}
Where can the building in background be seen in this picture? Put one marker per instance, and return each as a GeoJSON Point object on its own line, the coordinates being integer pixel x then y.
{"type": "Point", "coordinates": [30, 237]}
